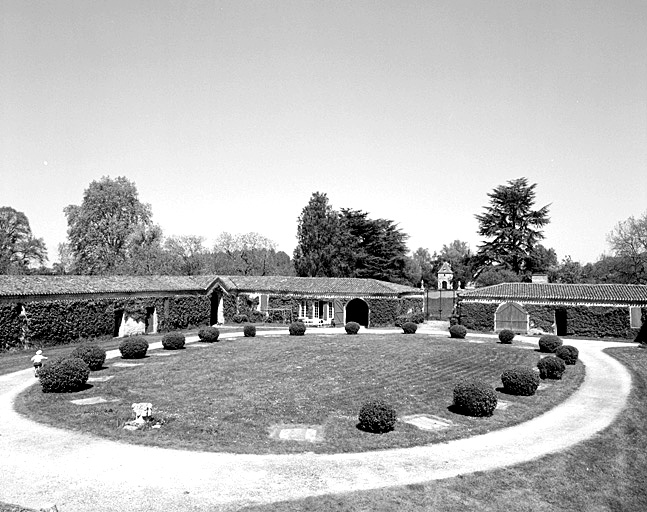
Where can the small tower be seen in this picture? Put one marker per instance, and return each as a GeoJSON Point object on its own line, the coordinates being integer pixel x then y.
{"type": "Point", "coordinates": [445, 277]}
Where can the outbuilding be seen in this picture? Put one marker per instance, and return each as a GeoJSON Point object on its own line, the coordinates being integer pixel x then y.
{"type": "Point", "coordinates": [591, 310]}
{"type": "Point", "coordinates": [59, 309]}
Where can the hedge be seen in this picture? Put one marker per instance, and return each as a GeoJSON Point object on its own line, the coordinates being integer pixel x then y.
{"type": "Point", "coordinates": [478, 317]}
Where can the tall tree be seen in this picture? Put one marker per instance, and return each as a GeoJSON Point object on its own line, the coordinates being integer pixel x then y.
{"type": "Point", "coordinates": [510, 225]}
{"type": "Point", "coordinates": [18, 247]}
{"type": "Point", "coordinates": [319, 240]}
{"type": "Point", "coordinates": [628, 241]}
{"type": "Point", "coordinates": [146, 254]}
{"type": "Point", "coordinates": [99, 229]}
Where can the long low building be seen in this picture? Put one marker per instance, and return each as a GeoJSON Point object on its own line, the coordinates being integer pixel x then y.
{"type": "Point", "coordinates": [59, 309]}
{"type": "Point", "coordinates": [590, 310]}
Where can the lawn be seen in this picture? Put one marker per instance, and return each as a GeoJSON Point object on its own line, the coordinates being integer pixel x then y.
{"type": "Point", "coordinates": [606, 473]}
{"type": "Point", "coordinates": [227, 396]}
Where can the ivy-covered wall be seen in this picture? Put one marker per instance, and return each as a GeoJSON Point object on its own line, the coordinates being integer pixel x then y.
{"type": "Point", "coordinates": [585, 321]}
{"type": "Point", "coordinates": [476, 316]}
{"type": "Point", "coordinates": [541, 317]}
{"type": "Point", "coordinates": [10, 326]}
{"type": "Point", "coordinates": [58, 322]}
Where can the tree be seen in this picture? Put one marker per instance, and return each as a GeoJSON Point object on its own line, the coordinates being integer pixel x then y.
{"type": "Point", "coordinates": [250, 254]}
{"type": "Point", "coordinates": [319, 240]}
{"type": "Point", "coordinates": [496, 275]}
{"type": "Point", "coordinates": [18, 247]}
{"type": "Point", "coordinates": [628, 241]}
{"type": "Point", "coordinates": [65, 262]}
{"type": "Point", "coordinates": [146, 254]}
{"type": "Point", "coordinates": [459, 256]}
{"type": "Point", "coordinates": [427, 270]}
{"type": "Point", "coordinates": [372, 248]}
{"type": "Point", "coordinates": [187, 254]}
{"type": "Point", "coordinates": [569, 272]}
{"type": "Point", "coordinates": [99, 229]}
{"type": "Point", "coordinates": [512, 226]}
{"type": "Point", "coordinates": [542, 260]}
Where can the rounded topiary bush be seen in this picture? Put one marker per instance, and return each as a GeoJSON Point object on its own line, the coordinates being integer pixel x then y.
{"type": "Point", "coordinates": [249, 331]}
{"type": "Point", "coordinates": [92, 354]}
{"type": "Point", "coordinates": [352, 328]}
{"type": "Point", "coordinates": [133, 348]}
{"type": "Point", "coordinates": [208, 334]}
{"type": "Point", "coordinates": [297, 329]}
{"type": "Point", "coordinates": [568, 354]}
{"type": "Point", "coordinates": [520, 380]}
{"type": "Point", "coordinates": [549, 343]}
{"type": "Point", "coordinates": [409, 328]}
{"type": "Point", "coordinates": [377, 416]}
{"type": "Point", "coordinates": [457, 331]}
{"type": "Point", "coordinates": [506, 336]}
{"type": "Point", "coordinates": [240, 319]}
{"type": "Point", "coordinates": [475, 398]}
{"type": "Point", "coordinates": [173, 341]}
{"type": "Point", "coordinates": [551, 367]}
{"type": "Point", "coordinates": [64, 375]}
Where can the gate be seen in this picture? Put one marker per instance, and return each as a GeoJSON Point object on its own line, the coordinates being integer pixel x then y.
{"type": "Point", "coordinates": [511, 315]}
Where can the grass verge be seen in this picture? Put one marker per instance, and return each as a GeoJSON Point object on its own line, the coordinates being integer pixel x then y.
{"type": "Point", "coordinates": [227, 396]}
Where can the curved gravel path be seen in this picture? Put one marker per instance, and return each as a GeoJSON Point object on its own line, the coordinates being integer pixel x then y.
{"type": "Point", "coordinates": [40, 465]}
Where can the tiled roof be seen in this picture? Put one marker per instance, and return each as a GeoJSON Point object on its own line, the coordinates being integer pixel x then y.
{"type": "Point", "coordinates": [17, 286]}
{"type": "Point", "coordinates": [316, 285]}
{"type": "Point", "coordinates": [445, 268]}
{"type": "Point", "coordinates": [560, 293]}
{"type": "Point", "coordinates": [24, 286]}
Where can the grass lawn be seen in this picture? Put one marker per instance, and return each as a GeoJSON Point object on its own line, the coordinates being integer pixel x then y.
{"type": "Point", "coordinates": [227, 396]}
{"type": "Point", "coordinates": [606, 473]}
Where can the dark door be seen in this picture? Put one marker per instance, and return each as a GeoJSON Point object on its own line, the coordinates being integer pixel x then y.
{"type": "Point", "coordinates": [215, 302]}
{"type": "Point", "coordinates": [561, 322]}
{"type": "Point", "coordinates": [357, 311]}
{"type": "Point", "coordinates": [119, 315]}
{"type": "Point", "coordinates": [149, 321]}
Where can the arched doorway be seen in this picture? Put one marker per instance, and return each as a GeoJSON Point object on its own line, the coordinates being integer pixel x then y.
{"type": "Point", "coordinates": [357, 311]}
{"type": "Point", "coordinates": [511, 315]}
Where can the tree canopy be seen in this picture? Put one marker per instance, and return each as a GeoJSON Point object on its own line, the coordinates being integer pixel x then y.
{"type": "Point", "coordinates": [628, 241]}
{"type": "Point", "coordinates": [18, 247]}
{"type": "Point", "coordinates": [99, 229]}
{"type": "Point", "coordinates": [511, 226]}
{"type": "Point", "coordinates": [350, 244]}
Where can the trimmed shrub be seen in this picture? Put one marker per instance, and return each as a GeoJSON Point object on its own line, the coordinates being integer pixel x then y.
{"type": "Point", "coordinates": [256, 316]}
{"type": "Point", "coordinates": [401, 320]}
{"type": "Point", "coordinates": [457, 331]}
{"type": "Point", "coordinates": [297, 329]}
{"type": "Point", "coordinates": [249, 331]}
{"type": "Point", "coordinates": [453, 319]}
{"type": "Point", "coordinates": [506, 336]}
{"type": "Point", "coordinates": [173, 341]}
{"type": "Point", "coordinates": [568, 354]}
{"type": "Point", "coordinates": [92, 354]}
{"type": "Point", "coordinates": [133, 348]}
{"type": "Point", "coordinates": [208, 334]}
{"type": "Point", "coordinates": [240, 319]}
{"type": "Point", "coordinates": [417, 318]}
{"type": "Point", "coordinates": [377, 417]}
{"type": "Point", "coordinates": [475, 398]}
{"type": "Point", "coordinates": [548, 343]}
{"type": "Point", "coordinates": [520, 380]}
{"type": "Point", "coordinates": [551, 367]}
{"type": "Point", "coordinates": [409, 328]}
{"type": "Point", "coordinates": [352, 328]}
{"type": "Point", "coordinates": [64, 375]}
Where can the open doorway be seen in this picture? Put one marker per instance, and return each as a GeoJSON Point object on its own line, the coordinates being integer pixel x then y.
{"type": "Point", "coordinates": [119, 316]}
{"type": "Point", "coordinates": [357, 311]}
{"type": "Point", "coordinates": [216, 311]}
{"type": "Point", "coordinates": [561, 322]}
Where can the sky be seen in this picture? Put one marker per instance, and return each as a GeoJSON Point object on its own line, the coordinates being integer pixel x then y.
{"type": "Point", "coordinates": [228, 115]}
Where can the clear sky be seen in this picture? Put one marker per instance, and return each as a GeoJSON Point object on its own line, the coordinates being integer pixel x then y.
{"type": "Point", "coordinates": [228, 115]}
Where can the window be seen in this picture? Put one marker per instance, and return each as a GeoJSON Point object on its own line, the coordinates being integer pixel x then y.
{"type": "Point", "coordinates": [316, 309]}
{"type": "Point", "coordinates": [635, 317]}
{"type": "Point", "coordinates": [331, 311]}
{"type": "Point", "coordinates": [303, 310]}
